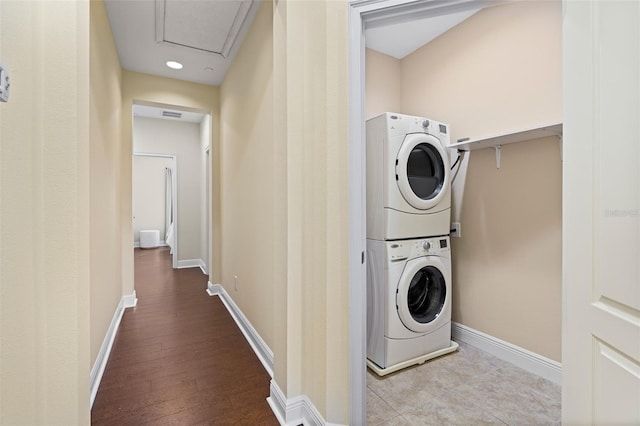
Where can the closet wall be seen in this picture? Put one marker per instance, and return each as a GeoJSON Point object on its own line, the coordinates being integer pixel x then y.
{"type": "Point", "coordinates": [496, 72]}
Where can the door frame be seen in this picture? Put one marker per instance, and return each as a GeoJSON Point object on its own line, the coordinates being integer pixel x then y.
{"type": "Point", "coordinates": [370, 13]}
{"type": "Point", "coordinates": [207, 201]}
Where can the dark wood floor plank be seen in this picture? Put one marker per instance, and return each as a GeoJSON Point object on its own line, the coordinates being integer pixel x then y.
{"type": "Point", "coordinates": [179, 358]}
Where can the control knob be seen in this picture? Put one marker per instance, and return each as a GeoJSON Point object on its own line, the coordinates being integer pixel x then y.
{"type": "Point", "coordinates": [426, 245]}
{"type": "Point", "coordinates": [425, 123]}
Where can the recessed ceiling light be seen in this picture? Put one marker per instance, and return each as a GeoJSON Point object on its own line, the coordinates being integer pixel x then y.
{"type": "Point", "coordinates": [175, 65]}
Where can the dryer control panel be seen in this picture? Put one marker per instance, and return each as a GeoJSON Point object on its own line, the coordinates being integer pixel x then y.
{"type": "Point", "coordinates": [410, 249]}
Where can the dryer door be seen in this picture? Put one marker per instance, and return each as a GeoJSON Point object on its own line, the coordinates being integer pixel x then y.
{"type": "Point", "coordinates": [422, 170]}
{"type": "Point", "coordinates": [423, 294]}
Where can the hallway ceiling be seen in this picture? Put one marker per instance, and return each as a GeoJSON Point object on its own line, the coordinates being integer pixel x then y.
{"type": "Point", "coordinates": [203, 35]}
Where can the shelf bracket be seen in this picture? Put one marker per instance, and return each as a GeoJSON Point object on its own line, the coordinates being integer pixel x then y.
{"type": "Point", "coordinates": [498, 149]}
{"type": "Point", "coordinates": [560, 143]}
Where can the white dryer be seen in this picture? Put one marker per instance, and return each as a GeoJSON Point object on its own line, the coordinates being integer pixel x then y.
{"type": "Point", "coordinates": [408, 302]}
{"type": "Point", "coordinates": [408, 177]}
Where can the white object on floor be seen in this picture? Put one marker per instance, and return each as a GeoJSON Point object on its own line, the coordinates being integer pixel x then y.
{"type": "Point", "coordinates": [408, 177]}
{"type": "Point", "coordinates": [418, 360]}
{"type": "Point", "coordinates": [149, 238]}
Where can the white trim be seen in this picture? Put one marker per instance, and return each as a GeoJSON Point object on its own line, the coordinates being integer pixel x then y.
{"type": "Point", "coordinates": [203, 267]}
{"type": "Point", "coordinates": [213, 289]}
{"type": "Point", "coordinates": [136, 244]}
{"type": "Point", "coordinates": [95, 377]}
{"type": "Point", "coordinates": [295, 411]}
{"type": "Point", "coordinates": [259, 346]}
{"type": "Point", "coordinates": [188, 263]}
{"type": "Point", "coordinates": [154, 154]}
{"type": "Point", "coordinates": [357, 220]}
{"type": "Point", "coordinates": [527, 360]}
{"type": "Point", "coordinates": [130, 301]}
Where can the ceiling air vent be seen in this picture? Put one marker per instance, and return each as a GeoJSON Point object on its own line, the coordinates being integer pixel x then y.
{"type": "Point", "coordinates": [171, 114]}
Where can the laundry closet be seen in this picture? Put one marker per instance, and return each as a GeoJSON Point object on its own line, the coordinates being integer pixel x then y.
{"type": "Point", "coordinates": [495, 74]}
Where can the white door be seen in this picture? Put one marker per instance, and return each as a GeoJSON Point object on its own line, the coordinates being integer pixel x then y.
{"type": "Point", "coordinates": [601, 219]}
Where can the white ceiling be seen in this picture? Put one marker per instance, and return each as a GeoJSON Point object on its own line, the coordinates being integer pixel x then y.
{"type": "Point", "coordinates": [402, 38]}
{"type": "Point", "coordinates": [203, 35]}
{"type": "Point", "coordinates": [155, 112]}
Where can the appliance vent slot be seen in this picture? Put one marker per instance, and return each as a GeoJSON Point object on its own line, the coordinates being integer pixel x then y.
{"type": "Point", "coordinates": [171, 114]}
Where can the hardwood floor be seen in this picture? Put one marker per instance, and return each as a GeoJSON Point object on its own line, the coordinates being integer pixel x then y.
{"type": "Point", "coordinates": [179, 358]}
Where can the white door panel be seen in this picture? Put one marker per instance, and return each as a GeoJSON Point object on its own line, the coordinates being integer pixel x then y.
{"type": "Point", "coordinates": [615, 372]}
{"type": "Point", "coordinates": [601, 213]}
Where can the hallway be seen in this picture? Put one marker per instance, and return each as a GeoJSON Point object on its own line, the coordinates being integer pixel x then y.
{"type": "Point", "coordinates": [178, 357]}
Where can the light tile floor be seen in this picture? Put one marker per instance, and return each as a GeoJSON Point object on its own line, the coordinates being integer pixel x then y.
{"type": "Point", "coordinates": [467, 387]}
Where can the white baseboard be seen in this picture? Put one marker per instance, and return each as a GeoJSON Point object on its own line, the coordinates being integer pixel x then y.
{"type": "Point", "coordinates": [189, 263]}
{"type": "Point", "coordinates": [203, 267]}
{"type": "Point", "coordinates": [136, 244]}
{"type": "Point", "coordinates": [99, 365]}
{"type": "Point", "coordinates": [130, 301]}
{"type": "Point", "coordinates": [212, 289]}
{"type": "Point", "coordinates": [527, 360]}
{"type": "Point", "coordinates": [263, 352]}
{"type": "Point", "coordinates": [298, 410]}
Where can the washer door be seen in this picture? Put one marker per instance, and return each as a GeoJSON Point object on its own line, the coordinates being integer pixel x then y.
{"type": "Point", "coordinates": [422, 294]}
{"type": "Point", "coordinates": [422, 170]}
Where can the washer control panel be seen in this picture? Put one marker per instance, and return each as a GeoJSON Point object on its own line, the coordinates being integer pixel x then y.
{"type": "Point", "coordinates": [432, 246]}
{"type": "Point", "coordinates": [409, 249]}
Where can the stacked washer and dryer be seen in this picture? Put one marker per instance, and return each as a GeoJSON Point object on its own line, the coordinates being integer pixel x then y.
{"type": "Point", "coordinates": [408, 248]}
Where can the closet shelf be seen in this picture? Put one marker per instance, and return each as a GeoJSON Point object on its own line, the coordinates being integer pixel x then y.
{"type": "Point", "coordinates": [554, 129]}
{"type": "Point", "coordinates": [496, 141]}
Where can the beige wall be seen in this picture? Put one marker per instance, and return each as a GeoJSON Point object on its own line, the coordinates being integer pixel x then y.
{"type": "Point", "coordinates": [159, 91]}
{"type": "Point", "coordinates": [284, 195]}
{"type": "Point", "coordinates": [497, 72]}
{"type": "Point", "coordinates": [382, 84]}
{"type": "Point", "coordinates": [507, 265]}
{"type": "Point", "coordinates": [44, 214]}
{"type": "Point", "coordinates": [247, 175]}
{"type": "Point", "coordinates": [182, 139]}
{"type": "Point", "coordinates": [310, 94]}
{"type": "Point", "coordinates": [105, 83]}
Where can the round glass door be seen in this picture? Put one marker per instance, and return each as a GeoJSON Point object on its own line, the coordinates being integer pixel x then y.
{"type": "Point", "coordinates": [422, 168]}
{"type": "Point", "coordinates": [426, 295]}
{"type": "Point", "coordinates": [422, 296]}
{"type": "Point", "coordinates": [425, 171]}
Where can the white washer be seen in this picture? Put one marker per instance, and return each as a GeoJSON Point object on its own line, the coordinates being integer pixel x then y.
{"type": "Point", "coordinates": [408, 302]}
{"type": "Point", "coordinates": [408, 177]}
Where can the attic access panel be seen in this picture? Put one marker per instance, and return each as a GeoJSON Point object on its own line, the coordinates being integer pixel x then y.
{"type": "Point", "coordinates": [208, 26]}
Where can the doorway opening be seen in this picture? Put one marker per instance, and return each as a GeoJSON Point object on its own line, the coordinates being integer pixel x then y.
{"type": "Point", "coordinates": [366, 17]}
{"type": "Point", "coordinates": [173, 198]}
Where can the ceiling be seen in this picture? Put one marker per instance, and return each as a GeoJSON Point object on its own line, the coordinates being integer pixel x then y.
{"type": "Point", "coordinates": [204, 35]}
{"type": "Point", "coordinates": [402, 38]}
